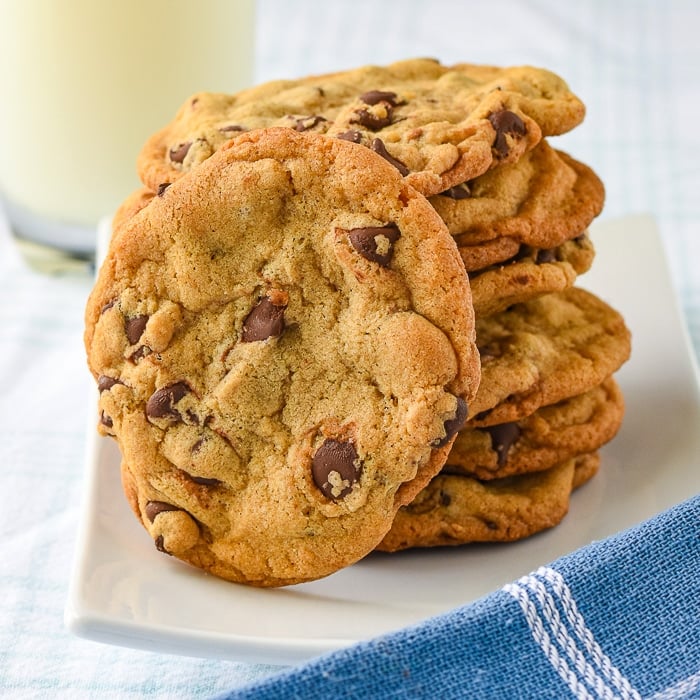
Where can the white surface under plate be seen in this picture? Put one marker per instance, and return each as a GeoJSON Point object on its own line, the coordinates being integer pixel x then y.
{"type": "Point", "coordinates": [125, 592]}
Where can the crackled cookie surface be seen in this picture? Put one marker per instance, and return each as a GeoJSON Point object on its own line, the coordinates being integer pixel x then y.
{"type": "Point", "coordinates": [457, 509]}
{"type": "Point", "coordinates": [437, 125]}
{"type": "Point", "coordinates": [547, 437]}
{"type": "Point", "coordinates": [542, 351]}
{"type": "Point", "coordinates": [284, 345]}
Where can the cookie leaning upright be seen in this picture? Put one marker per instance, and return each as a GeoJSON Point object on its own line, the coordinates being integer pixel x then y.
{"type": "Point", "coordinates": [284, 345]}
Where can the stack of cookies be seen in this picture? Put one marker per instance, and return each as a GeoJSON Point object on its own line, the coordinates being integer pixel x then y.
{"type": "Point", "coordinates": [547, 400]}
{"type": "Point", "coordinates": [340, 315]}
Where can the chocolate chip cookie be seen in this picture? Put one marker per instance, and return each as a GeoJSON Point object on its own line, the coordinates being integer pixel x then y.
{"type": "Point", "coordinates": [549, 436]}
{"type": "Point", "coordinates": [284, 345]}
{"type": "Point", "coordinates": [531, 273]}
{"type": "Point", "coordinates": [438, 126]}
{"type": "Point", "coordinates": [541, 201]}
{"type": "Point", "coordinates": [543, 351]}
{"type": "Point", "coordinates": [457, 509]}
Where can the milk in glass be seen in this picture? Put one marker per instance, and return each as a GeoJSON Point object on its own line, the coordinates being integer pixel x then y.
{"type": "Point", "coordinates": [83, 83]}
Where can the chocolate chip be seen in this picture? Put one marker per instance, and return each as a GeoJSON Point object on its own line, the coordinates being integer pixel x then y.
{"type": "Point", "coordinates": [373, 121]}
{"type": "Point", "coordinates": [306, 123]}
{"type": "Point", "coordinates": [373, 97]}
{"type": "Point", "coordinates": [108, 306]}
{"type": "Point", "coordinates": [140, 353]}
{"type": "Point", "coordinates": [162, 187]}
{"type": "Point", "coordinates": [546, 255]}
{"type": "Point", "coordinates": [335, 468]}
{"type": "Point", "coordinates": [266, 320]}
{"type": "Point", "coordinates": [162, 402]}
{"type": "Point", "coordinates": [505, 123]}
{"type": "Point", "coordinates": [376, 243]}
{"type": "Point", "coordinates": [179, 152]}
{"type": "Point", "coordinates": [106, 420]}
{"type": "Point", "coordinates": [105, 383]}
{"type": "Point", "coordinates": [454, 425]}
{"type": "Point", "coordinates": [203, 481]}
{"type": "Point", "coordinates": [378, 147]}
{"type": "Point", "coordinates": [458, 192]}
{"type": "Point", "coordinates": [160, 545]}
{"type": "Point", "coordinates": [231, 129]}
{"type": "Point", "coordinates": [502, 438]}
{"type": "Point", "coordinates": [154, 508]}
{"type": "Point", "coordinates": [352, 135]}
{"type": "Point", "coordinates": [134, 328]}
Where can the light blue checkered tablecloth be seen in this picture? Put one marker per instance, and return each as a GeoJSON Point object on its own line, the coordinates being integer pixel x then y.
{"type": "Point", "coordinates": [635, 64]}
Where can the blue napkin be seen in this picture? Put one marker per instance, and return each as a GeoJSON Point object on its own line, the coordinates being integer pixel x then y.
{"type": "Point", "coordinates": [619, 618]}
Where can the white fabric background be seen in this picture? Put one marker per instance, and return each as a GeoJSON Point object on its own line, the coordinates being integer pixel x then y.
{"type": "Point", "coordinates": [634, 63]}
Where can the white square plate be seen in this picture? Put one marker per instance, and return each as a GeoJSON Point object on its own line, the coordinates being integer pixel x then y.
{"type": "Point", "coordinates": [123, 591]}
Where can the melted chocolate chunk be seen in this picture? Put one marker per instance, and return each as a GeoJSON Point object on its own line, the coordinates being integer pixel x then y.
{"type": "Point", "coordinates": [160, 546]}
{"type": "Point", "coordinates": [140, 353]}
{"type": "Point", "coordinates": [162, 187]}
{"type": "Point", "coordinates": [335, 468]}
{"type": "Point", "coordinates": [162, 402]}
{"type": "Point", "coordinates": [352, 135]}
{"type": "Point", "coordinates": [376, 243]}
{"type": "Point", "coordinates": [373, 121]}
{"type": "Point", "coordinates": [266, 320]}
{"type": "Point", "coordinates": [134, 328]}
{"type": "Point", "coordinates": [461, 191]}
{"type": "Point", "coordinates": [307, 123]}
{"type": "Point", "coordinates": [546, 255]}
{"type": "Point", "coordinates": [179, 152]}
{"type": "Point", "coordinates": [378, 147]}
{"type": "Point", "coordinates": [231, 129]}
{"type": "Point", "coordinates": [454, 425]}
{"type": "Point", "coordinates": [373, 97]}
{"type": "Point", "coordinates": [503, 436]}
{"type": "Point", "coordinates": [505, 123]}
{"type": "Point", "coordinates": [105, 383]}
{"type": "Point", "coordinates": [106, 420]}
{"type": "Point", "coordinates": [154, 508]}
{"type": "Point", "coordinates": [204, 481]}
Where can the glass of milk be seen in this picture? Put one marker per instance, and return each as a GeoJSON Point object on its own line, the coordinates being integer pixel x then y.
{"type": "Point", "coordinates": [84, 83]}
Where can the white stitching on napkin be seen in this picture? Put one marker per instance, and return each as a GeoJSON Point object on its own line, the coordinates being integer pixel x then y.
{"type": "Point", "coordinates": [610, 671]}
{"type": "Point", "coordinates": [542, 638]}
{"type": "Point", "coordinates": [680, 690]}
{"type": "Point", "coordinates": [540, 604]}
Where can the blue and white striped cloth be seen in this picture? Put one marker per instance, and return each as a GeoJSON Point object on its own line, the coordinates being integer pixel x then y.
{"type": "Point", "coordinates": [635, 64]}
{"type": "Point", "coordinates": [618, 620]}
